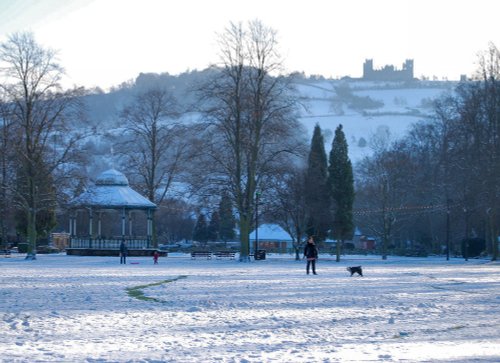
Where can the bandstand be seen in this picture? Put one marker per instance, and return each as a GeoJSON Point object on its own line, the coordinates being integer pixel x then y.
{"type": "Point", "coordinates": [108, 213]}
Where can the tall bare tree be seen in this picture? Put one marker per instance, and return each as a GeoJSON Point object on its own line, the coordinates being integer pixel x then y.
{"type": "Point", "coordinates": [288, 207]}
{"type": "Point", "coordinates": [251, 126]}
{"type": "Point", "coordinates": [42, 115]}
{"type": "Point", "coordinates": [381, 198]}
{"type": "Point", "coordinates": [489, 74]}
{"type": "Point", "coordinates": [7, 142]}
{"type": "Point", "coordinates": [155, 143]}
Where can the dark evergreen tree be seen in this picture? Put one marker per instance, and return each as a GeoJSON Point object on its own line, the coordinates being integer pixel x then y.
{"type": "Point", "coordinates": [200, 229]}
{"type": "Point", "coordinates": [341, 184]}
{"type": "Point", "coordinates": [213, 227]}
{"type": "Point", "coordinates": [316, 189]}
{"type": "Point", "coordinates": [227, 220]}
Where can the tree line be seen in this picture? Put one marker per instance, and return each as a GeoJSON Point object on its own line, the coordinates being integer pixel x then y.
{"type": "Point", "coordinates": [247, 141]}
{"type": "Point", "coordinates": [438, 187]}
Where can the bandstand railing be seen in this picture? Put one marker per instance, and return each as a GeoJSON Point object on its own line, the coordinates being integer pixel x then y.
{"type": "Point", "coordinates": [110, 243]}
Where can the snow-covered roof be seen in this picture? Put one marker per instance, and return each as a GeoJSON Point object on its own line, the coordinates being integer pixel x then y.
{"type": "Point", "coordinates": [111, 190]}
{"type": "Point", "coordinates": [271, 232]}
{"type": "Point", "coordinates": [111, 177]}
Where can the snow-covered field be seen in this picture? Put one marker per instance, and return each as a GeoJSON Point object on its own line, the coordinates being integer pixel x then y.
{"type": "Point", "coordinates": [77, 309]}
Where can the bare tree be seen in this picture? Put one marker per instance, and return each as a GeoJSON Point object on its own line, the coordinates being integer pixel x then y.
{"type": "Point", "coordinates": [154, 145]}
{"type": "Point", "coordinates": [288, 205]}
{"type": "Point", "coordinates": [489, 71]}
{"type": "Point", "coordinates": [41, 114]}
{"type": "Point", "coordinates": [381, 193]}
{"type": "Point", "coordinates": [251, 126]}
{"type": "Point", "coordinates": [7, 138]}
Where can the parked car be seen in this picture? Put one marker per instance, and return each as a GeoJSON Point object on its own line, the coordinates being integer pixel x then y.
{"type": "Point", "coordinates": [185, 245]}
{"type": "Point", "coordinates": [169, 247]}
{"type": "Point", "coordinates": [47, 249]}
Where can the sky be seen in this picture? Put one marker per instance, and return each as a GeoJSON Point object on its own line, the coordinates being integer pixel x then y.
{"type": "Point", "coordinates": [106, 42]}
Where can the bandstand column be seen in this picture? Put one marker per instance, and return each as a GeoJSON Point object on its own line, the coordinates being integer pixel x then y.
{"type": "Point", "coordinates": [91, 222]}
{"type": "Point", "coordinates": [99, 224]}
{"type": "Point", "coordinates": [148, 226]}
{"type": "Point", "coordinates": [123, 222]}
{"type": "Point", "coordinates": [74, 224]}
{"type": "Point", "coordinates": [130, 223]}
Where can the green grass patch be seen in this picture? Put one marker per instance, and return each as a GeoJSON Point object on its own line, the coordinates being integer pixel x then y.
{"type": "Point", "coordinates": [138, 293]}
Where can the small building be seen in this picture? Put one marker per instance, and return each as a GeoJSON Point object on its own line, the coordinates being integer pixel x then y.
{"type": "Point", "coordinates": [60, 240]}
{"type": "Point", "coordinates": [108, 213]}
{"type": "Point", "coordinates": [367, 243]}
{"type": "Point", "coordinates": [271, 238]}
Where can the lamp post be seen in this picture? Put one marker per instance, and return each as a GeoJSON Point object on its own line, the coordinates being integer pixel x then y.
{"type": "Point", "coordinates": [466, 242]}
{"type": "Point", "coordinates": [447, 229]}
{"type": "Point", "coordinates": [257, 195]}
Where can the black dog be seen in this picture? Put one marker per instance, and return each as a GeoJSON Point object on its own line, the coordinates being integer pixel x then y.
{"type": "Point", "coordinates": [355, 269]}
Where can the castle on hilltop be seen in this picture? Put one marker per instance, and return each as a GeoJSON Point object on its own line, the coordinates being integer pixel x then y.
{"type": "Point", "coordinates": [388, 72]}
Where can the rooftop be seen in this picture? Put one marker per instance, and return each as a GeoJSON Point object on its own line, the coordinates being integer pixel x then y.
{"type": "Point", "coordinates": [112, 190]}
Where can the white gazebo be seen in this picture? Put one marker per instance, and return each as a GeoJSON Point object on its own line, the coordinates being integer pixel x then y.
{"type": "Point", "coordinates": [110, 197]}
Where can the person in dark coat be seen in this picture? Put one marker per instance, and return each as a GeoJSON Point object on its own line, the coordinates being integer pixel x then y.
{"type": "Point", "coordinates": [311, 253]}
{"type": "Point", "coordinates": [156, 254]}
{"type": "Point", "coordinates": [123, 253]}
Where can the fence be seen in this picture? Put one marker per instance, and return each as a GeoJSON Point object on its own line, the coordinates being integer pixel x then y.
{"type": "Point", "coordinates": [110, 243]}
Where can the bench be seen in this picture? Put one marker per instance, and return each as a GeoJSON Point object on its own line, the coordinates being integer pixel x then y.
{"type": "Point", "coordinates": [224, 254]}
{"type": "Point", "coordinates": [5, 252]}
{"type": "Point", "coordinates": [205, 254]}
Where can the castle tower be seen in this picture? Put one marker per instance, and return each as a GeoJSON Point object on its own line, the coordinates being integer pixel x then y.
{"type": "Point", "coordinates": [368, 68]}
{"type": "Point", "coordinates": [408, 68]}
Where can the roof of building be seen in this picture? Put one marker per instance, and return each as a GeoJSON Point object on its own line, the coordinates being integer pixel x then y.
{"type": "Point", "coordinates": [111, 190]}
{"type": "Point", "coordinates": [271, 232]}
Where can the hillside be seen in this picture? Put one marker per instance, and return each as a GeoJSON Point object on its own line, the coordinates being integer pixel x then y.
{"type": "Point", "coordinates": [364, 109]}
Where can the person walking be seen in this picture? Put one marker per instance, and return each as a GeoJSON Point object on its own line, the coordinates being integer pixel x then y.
{"type": "Point", "coordinates": [123, 253]}
{"type": "Point", "coordinates": [156, 254]}
{"type": "Point", "coordinates": [311, 253]}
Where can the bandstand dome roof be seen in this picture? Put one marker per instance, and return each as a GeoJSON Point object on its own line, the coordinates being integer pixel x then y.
{"type": "Point", "coordinates": [111, 190]}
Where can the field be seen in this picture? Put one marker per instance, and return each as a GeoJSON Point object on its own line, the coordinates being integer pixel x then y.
{"type": "Point", "coordinates": [92, 309]}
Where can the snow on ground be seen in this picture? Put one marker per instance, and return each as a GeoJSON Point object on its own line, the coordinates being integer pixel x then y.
{"type": "Point", "coordinates": [77, 309]}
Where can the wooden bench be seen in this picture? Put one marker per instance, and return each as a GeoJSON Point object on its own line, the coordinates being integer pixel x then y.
{"type": "Point", "coordinates": [205, 254]}
{"type": "Point", "coordinates": [5, 252]}
{"type": "Point", "coordinates": [224, 254]}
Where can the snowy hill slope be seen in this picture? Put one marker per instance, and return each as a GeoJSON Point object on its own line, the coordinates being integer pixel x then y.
{"type": "Point", "coordinates": [363, 108]}
{"type": "Point", "coordinates": [366, 109]}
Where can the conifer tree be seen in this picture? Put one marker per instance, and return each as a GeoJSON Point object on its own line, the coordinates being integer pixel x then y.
{"type": "Point", "coordinates": [200, 229]}
{"type": "Point", "coordinates": [341, 184]}
{"type": "Point", "coordinates": [316, 190]}
{"type": "Point", "coordinates": [213, 227]}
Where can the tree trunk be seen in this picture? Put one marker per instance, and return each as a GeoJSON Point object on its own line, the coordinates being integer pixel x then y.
{"type": "Point", "coordinates": [154, 234]}
{"type": "Point", "coordinates": [494, 235]}
{"type": "Point", "coordinates": [339, 249]}
{"type": "Point", "coordinates": [31, 229]}
{"type": "Point", "coordinates": [244, 239]}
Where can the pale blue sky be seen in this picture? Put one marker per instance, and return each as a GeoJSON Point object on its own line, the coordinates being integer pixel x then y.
{"type": "Point", "coordinates": [105, 42]}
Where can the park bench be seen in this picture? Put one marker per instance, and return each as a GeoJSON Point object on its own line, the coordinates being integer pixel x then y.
{"type": "Point", "coordinates": [201, 254]}
{"type": "Point", "coordinates": [224, 254]}
{"type": "Point", "coordinates": [5, 252]}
